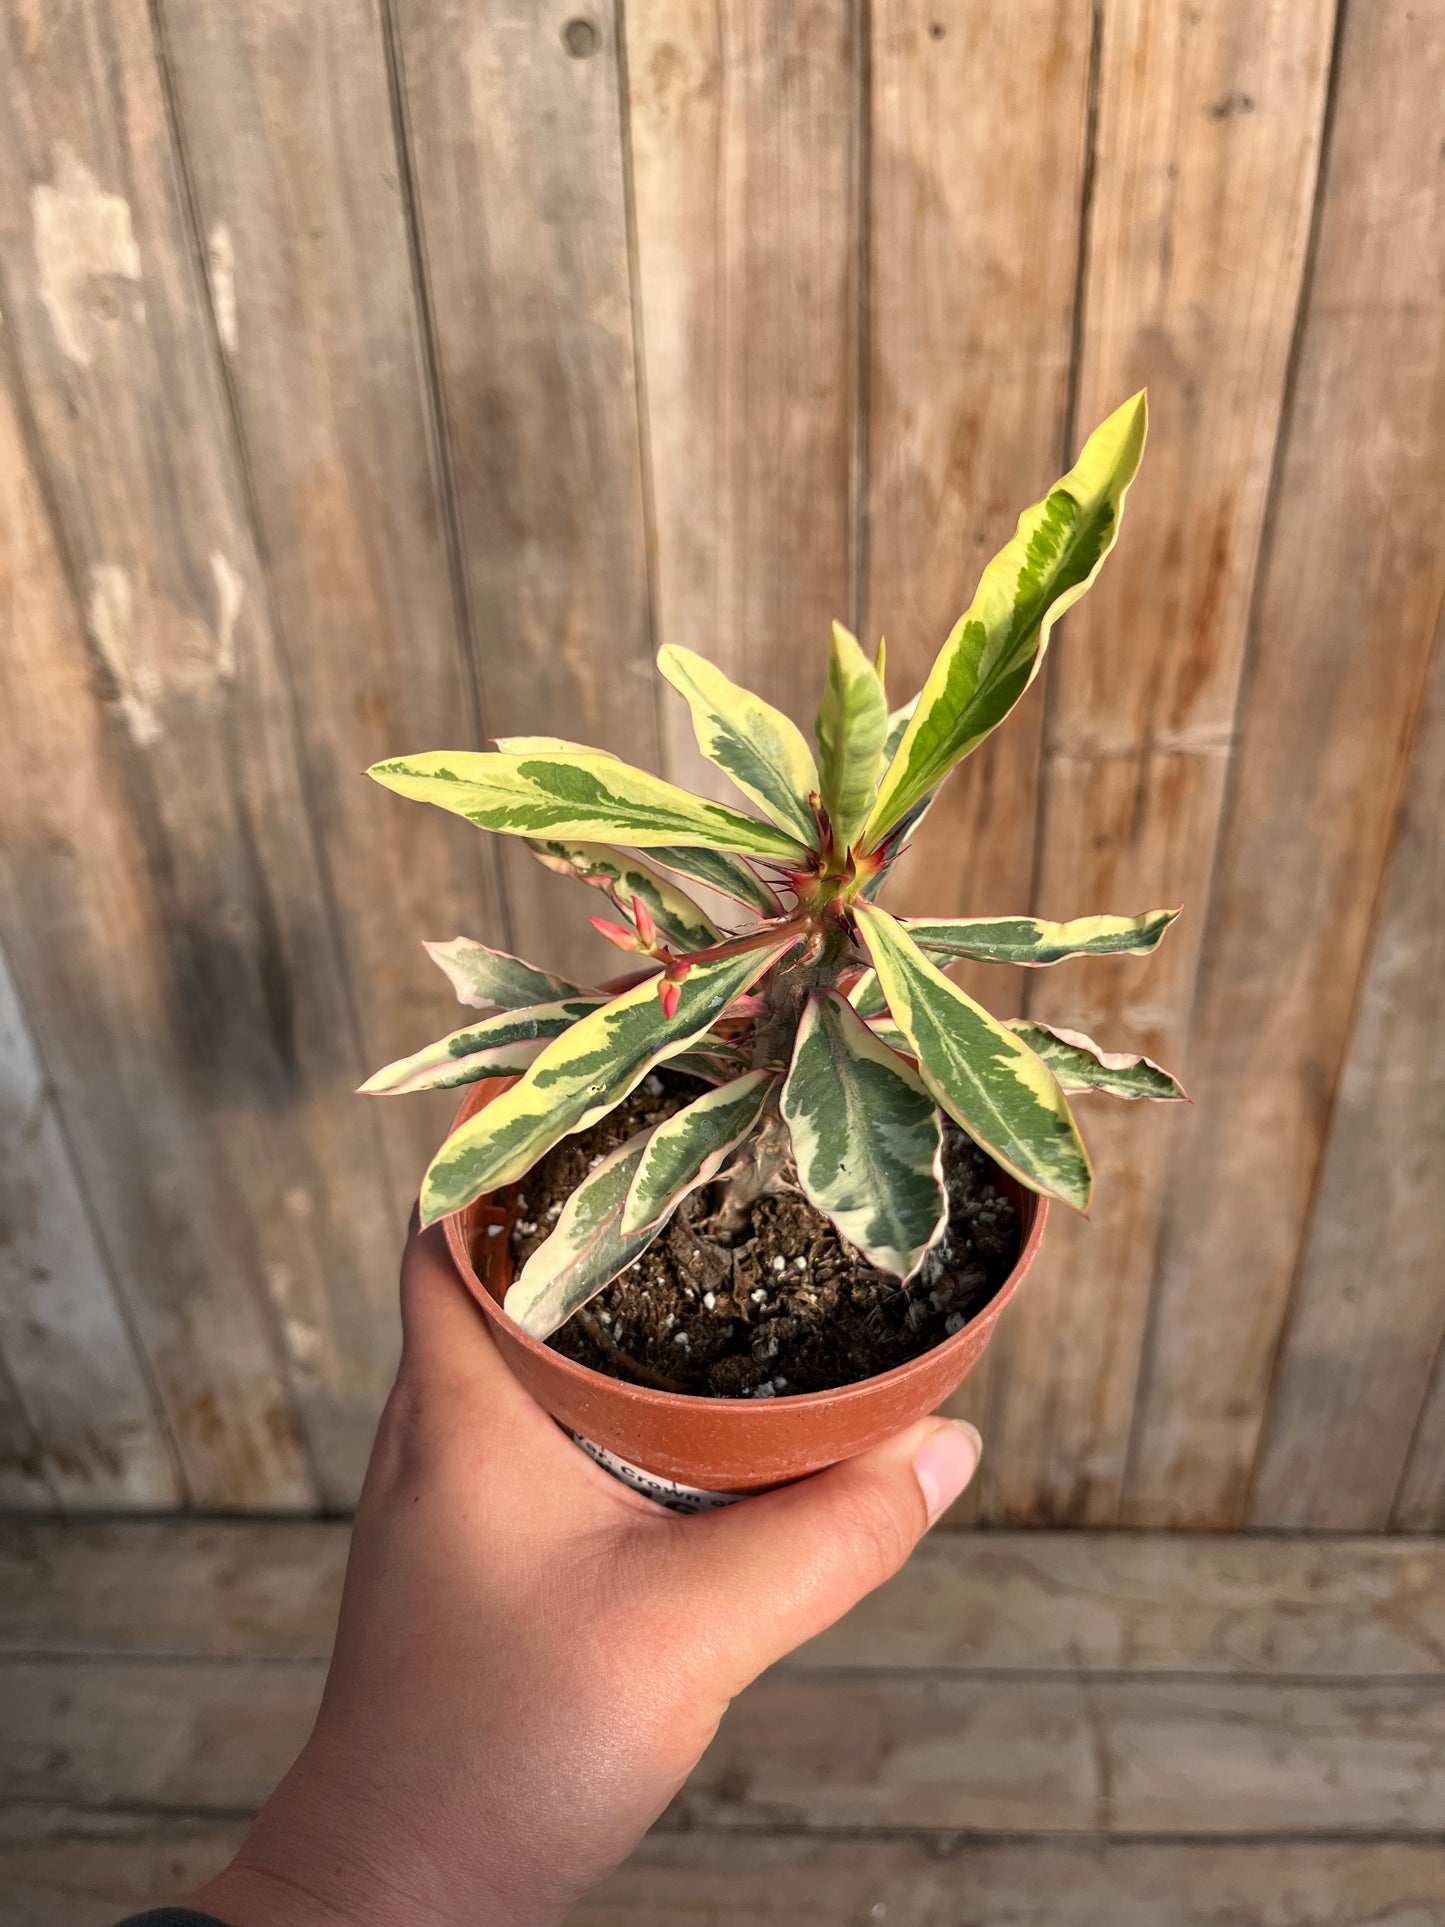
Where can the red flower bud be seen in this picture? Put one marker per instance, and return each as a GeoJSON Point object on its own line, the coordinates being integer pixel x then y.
{"type": "Point", "coordinates": [616, 933]}
{"type": "Point", "coordinates": [646, 928]}
{"type": "Point", "coordinates": [668, 995]}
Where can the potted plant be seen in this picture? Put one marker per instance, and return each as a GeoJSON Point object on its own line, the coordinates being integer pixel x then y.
{"type": "Point", "coordinates": [752, 1208]}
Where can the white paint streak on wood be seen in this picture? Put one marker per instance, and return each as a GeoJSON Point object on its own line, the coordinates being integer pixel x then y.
{"type": "Point", "coordinates": [221, 266]}
{"type": "Point", "coordinates": [230, 594]}
{"type": "Point", "coordinates": [83, 236]}
{"type": "Point", "coordinates": [110, 618]}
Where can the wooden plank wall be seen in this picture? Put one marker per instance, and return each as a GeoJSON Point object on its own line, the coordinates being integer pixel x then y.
{"type": "Point", "coordinates": [379, 374]}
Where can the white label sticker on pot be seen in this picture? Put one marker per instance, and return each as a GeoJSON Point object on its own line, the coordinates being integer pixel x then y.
{"type": "Point", "coordinates": [677, 1498]}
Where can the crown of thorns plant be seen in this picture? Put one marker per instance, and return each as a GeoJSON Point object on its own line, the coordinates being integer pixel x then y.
{"type": "Point", "coordinates": [830, 1040]}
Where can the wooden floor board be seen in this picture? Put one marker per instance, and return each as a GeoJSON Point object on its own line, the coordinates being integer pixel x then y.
{"type": "Point", "coordinates": [81, 1870]}
{"type": "Point", "coordinates": [1078, 1729]}
{"type": "Point", "coordinates": [969, 1601]}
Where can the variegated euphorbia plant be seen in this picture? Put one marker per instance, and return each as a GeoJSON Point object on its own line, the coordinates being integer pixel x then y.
{"type": "Point", "coordinates": [824, 1029]}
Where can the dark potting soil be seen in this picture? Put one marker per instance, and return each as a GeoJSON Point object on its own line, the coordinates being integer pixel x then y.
{"type": "Point", "coordinates": [787, 1307]}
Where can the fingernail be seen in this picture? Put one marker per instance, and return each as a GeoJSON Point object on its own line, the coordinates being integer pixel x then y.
{"type": "Point", "coordinates": [945, 1462]}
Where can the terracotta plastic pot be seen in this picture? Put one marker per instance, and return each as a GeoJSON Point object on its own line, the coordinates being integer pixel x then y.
{"type": "Point", "coordinates": [718, 1444]}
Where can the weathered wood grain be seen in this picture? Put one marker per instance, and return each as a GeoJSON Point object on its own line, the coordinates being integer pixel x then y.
{"type": "Point", "coordinates": [1204, 170]}
{"type": "Point", "coordinates": [1369, 1310]}
{"type": "Point", "coordinates": [285, 117]}
{"type": "Point", "coordinates": [266, 1180]}
{"type": "Point", "coordinates": [87, 931]}
{"type": "Point", "coordinates": [1057, 1602]}
{"type": "Point", "coordinates": [23, 1485]}
{"type": "Point", "coordinates": [1348, 608]}
{"type": "Point", "coordinates": [216, 1589]}
{"type": "Point", "coordinates": [1118, 1756]}
{"type": "Point", "coordinates": [973, 248]}
{"type": "Point", "coordinates": [68, 1352]}
{"type": "Point", "coordinates": [516, 131]}
{"type": "Point", "coordinates": [744, 128]}
{"type": "Point", "coordinates": [69, 1869]}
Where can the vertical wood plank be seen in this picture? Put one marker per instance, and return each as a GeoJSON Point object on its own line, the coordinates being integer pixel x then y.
{"type": "Point", "coordinates": [744, 135]}
{"type": "Point", "coordinates": [974, 251]}
{"type": "Point", "coordinates": [84, 931]}
{"type": "Point", "coordinates": [973, 263]}
{"type": "Point", "coordinates": [1369, 1307]}
{"type": "Point", "coordinates": [23, 1485]}
{"type": "Point", "coordinates": [1207, 146]}
{"type": "Point", "coordinates": [67, 1350]}
{"type": "Point", "coordinates": [516, 128]}
{"type": "Point", "coordinates": [1348, 610]}
{"type": "Point", "coordinates": [286, 118]}
{"type": "Point", "coordinates": [178, 956]}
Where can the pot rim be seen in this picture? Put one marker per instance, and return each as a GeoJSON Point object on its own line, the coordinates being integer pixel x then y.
{"type": "Point", "coordinates": [459, 1245]}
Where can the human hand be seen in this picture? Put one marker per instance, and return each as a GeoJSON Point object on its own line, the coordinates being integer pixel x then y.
{"type": "Point", "coordinates": [531, 1657]}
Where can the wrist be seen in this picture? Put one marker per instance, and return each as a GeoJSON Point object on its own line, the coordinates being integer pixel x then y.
{"type": "Point", "coordinates": [327, 1850]}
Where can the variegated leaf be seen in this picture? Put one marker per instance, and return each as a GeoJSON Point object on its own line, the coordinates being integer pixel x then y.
{"type": "Point", "coordinates": [587, 1247]}
{"type": "Point", "coordinates": [689, 1148]}
{"type": "Point", "coordinates": [867, 997]}
{"type": "Point", "coordinates": [581, 1076]}
{"type": "Point", "coordinates": [898, 721]}
{"type": "Point", "coordinates": [728, 875]}
{"type": "Point", "coordinates": [499, 1046]}
{"type": "Point", "coordinates": [1029, 940]}
{"type": "Point", "coordinates": [1080, 1065]}
{"type": "Point", "coordinates": [866, 1137]}
{"type": "Point", "coordinates": [546, 746]}
{"type": "Point", "coordinates": [996, 648]}
{"type": "Point", "coordinates": [981, 1073]}
{"type": "Point", "coordinates": [756, 746]}
{"type": "Point", "coordinates": [713, 1062]}
{"type": "Point", "coordinates": [491, 980]}
{"type": "Point", "coordinates": [623, 878]}
{"type": "Point", "coordinates": [589, 797]}
{"type": "Point", "coordinates": [852, 724]}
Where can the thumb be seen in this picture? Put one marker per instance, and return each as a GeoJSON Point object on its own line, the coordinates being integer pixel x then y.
{"type": "Point", "coordinates": [780, 1568]}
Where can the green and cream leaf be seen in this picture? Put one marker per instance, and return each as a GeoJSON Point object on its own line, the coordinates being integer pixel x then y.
{"type": "Point", "coordinates": [728, 875]}
{"type": "Point", "coordinates": [985, 1077]}
{"type": "Point", "coordinates": [1031, 941]}
{"type": "Point", "coordinates": [756, 746]}
{"type": "Point", "coordinates": [587, 1247]}
{"type": "Point", "coordinates": [1080, 1065]}
{"type": "Point", "coordinates": [852, 724]}
{"type": "Point", "coordinates": [866, 1137]}
{"type": "Point", "coordinates": [577, 797]}
{"type": "Point", "coordinates": [500, 1046]}
{"type": "Point", "coordinates": [996, 648]}
{"type": "Point", "coordinates": [623, 878]}
{"type": "Point", "coordinates": [491, 980]}
{"type": "Point", "coordinates": [582, 1075]}
{"type": "Point", "coordinates": [689, 1148]}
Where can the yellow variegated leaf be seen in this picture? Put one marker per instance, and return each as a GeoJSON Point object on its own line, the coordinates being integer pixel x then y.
{"type": "Point", "coordinates": [546, 746]}
{"type": "Point", "coordinates": [582, 1075]}
{"type": "Point", "coordinates": [730, 876]}
{"type": "Point", "coordinates": [852, 724]}
{"type": "Point", "coordinates": [1030, 940]}
{"type": "Point", "coordinates": [996, 648]}
{"type": "Point", "coordinates": [623, 878]}
{"type": "Point", "coordinates": [1080, 1065]}
{"type": "Point", "coordinates": [866, 1137]}
{"type": "Point", "coordinates": [589, 797]}
{"type": "Point", "coordinates": [985, 1077]}
{"type": "Point", "coordinates": [491, 980]}
{"type": "Point", "coordinates": [499, 1046]}
{"type": "Point", "coordinates": [754, 745]}
{"type": "Point", "coordinates": [689, 1148]}
{"type": "Point", "coordinates": [587, 1247]}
